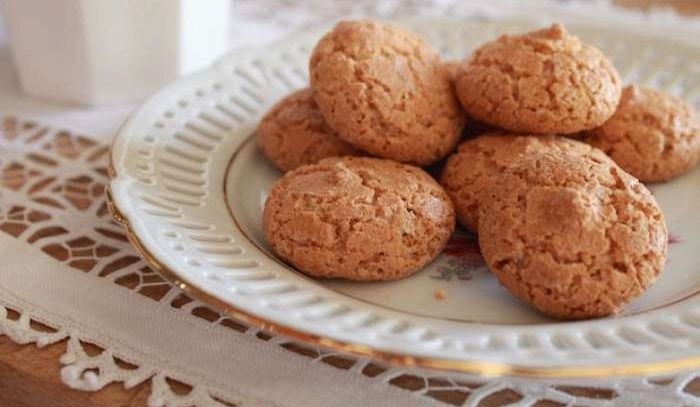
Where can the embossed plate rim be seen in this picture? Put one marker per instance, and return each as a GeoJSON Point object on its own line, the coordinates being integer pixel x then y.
{"type": "Point", "coordinates": [409, 346]}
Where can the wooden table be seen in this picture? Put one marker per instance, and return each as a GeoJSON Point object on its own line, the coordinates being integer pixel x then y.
{"type": "Point", "coordinates": [30, 377]}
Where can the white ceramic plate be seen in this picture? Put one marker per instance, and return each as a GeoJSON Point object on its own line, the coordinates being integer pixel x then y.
{"type": "Point", "coordinates": [190, 186]}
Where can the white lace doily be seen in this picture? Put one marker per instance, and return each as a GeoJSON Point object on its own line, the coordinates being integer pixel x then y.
{"type": "Point", "coordinates": [69, 273]}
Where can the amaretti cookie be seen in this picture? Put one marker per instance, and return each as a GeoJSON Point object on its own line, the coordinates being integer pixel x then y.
{"type": "Point", "coordinates": [358, 218]}
{"type": "Point", "coordinates": [652, 135]}
{"type": "Point", "coordinates": [545, 81]}
{"type": "Point", "coordinates": [453, 67]}
{"type": "Point", "coordinates": [386, 91]}
{"type": "Point", "coordinates": [574, 236]}
{"type": "Point", "coordinates": [479, 162]}
{"type": "Point", "coordinates": [293, 133]}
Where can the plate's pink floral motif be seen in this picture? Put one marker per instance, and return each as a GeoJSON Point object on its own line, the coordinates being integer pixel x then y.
{"type": "Point", "coordinates": [463, 257]}
{"type": "Point", "coordinates": [673, 239]}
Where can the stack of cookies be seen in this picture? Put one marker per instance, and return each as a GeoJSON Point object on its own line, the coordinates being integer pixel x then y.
{"type": "Point", "coordinates": [563, 222]}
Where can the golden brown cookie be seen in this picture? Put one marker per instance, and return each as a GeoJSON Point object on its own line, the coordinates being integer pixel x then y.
{"type": "Point", "coordinates": [480, 161]}
{"type": "Point", "coordinates": [386, 91]}
{"type": "Point", "coordinates": [545, 81]}
{"type": "Point", "coordinates": [453, 67]}
{"type": "Point", "coordinates": [293, 133]}
{"type": "Point", "coordinates": [573, 236]}
{"type": "Point", "coordinates": [358, 218]}
{"type": "Point", "coordinates": [652, 135]}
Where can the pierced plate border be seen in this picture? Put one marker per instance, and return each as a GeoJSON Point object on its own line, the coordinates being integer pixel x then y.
{"type": "Point", "coordinates": [169, 162]}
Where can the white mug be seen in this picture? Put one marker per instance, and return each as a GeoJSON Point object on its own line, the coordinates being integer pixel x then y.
{"type": "Point", "coordinates": [107, 51]}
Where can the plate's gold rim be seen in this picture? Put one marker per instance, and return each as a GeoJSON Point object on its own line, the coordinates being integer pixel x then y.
{"type": "Point", "coordinates": [483, 368]}
{"type": "Point", "coordinates": [490, 369]}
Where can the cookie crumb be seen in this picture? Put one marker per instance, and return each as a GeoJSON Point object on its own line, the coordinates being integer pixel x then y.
{"type": "Point", "coordinates": [440, 295]}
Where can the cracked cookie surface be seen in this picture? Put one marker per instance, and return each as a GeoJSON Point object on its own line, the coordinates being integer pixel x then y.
{"type": "Point", "coordinates": [293, 133]}
{"type": "Point", "coordinates": [479, 162]}
{"type": "Point", "coordinates": [574, 236]}
{"type": "Point", "coordinates": [652, 135]}
{"type": "Point", "coordinates": [386, 91]}
{"type": "Point", "coordinates": [545, 81]}
{"type": "Point", "coordinates": [358, 218]}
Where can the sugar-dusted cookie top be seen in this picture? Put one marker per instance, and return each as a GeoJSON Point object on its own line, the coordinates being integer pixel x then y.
{"type": "Point", "coordinates": [652, 135]}
{"type": "Point", "coordinates": [358, 218]}
{"type": "Point", "coordinates": [573, 236]}
{"type": "Point", "coordinates": [293, 133]}
{"type": "Point", "coordinates": [386, 91]}
{"type": "Point", "coordinates": [480, 161]}
{"type": "Point", "coordinates": [545, 81]}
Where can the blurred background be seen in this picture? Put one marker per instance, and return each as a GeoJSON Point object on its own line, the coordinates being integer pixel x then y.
{"type": "Point", "coordinates": [100, 53]}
